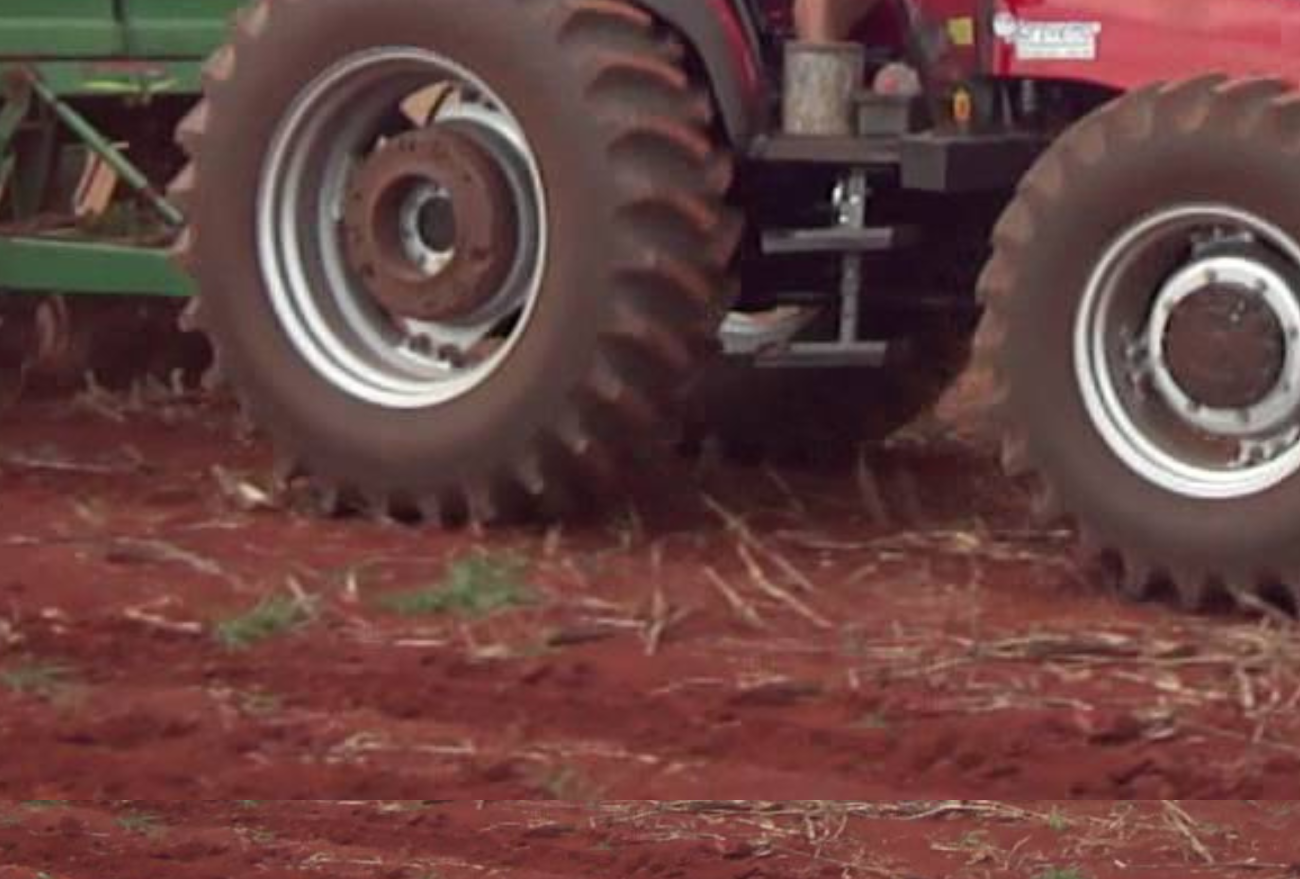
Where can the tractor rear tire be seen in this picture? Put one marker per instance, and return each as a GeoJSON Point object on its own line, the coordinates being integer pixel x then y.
{"type": "Point", "coordinates": [1093, 405]}
{"type": "Point", "coordinates": [632, 266]}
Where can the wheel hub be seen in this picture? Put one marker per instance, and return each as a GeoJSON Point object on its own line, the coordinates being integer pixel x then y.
{"type": "Point", "coordinates": [431, 226]}
{"type": "Point", "coordinates": [1224, 348]}
{"type": "Point", "coordinates": [1221, 340]}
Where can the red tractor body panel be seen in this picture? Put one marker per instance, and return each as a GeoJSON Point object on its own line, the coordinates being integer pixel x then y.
{"type": "Point", "coordinates": [1136, 42]}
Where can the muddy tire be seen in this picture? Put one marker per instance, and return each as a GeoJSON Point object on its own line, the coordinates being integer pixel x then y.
{"type": "Point", "coordinates": [610, 181]}
{"type": "Point", "coordinates": [820, 417]}
{"type": "Point", "coordinates": [1154, 240]}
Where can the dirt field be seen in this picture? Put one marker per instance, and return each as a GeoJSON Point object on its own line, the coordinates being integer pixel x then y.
{"type": "Point", "coordinates": [431, 839]}
{"type": "Point", "coordinates": [735, 632]}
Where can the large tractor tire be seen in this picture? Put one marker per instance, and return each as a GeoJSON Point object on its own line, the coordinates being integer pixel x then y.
{"type": "Point", "coordinates": [456, 257]}
{"type": "Point", "coordinates": [1143, 328]}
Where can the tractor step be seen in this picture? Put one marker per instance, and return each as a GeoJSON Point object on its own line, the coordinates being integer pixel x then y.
{"type": "Point", "coordinates": [837, 239]}
{"type": "Point", "coordinates": [883, 152]}
{"type": "Point", "coordinates": [827, 355]}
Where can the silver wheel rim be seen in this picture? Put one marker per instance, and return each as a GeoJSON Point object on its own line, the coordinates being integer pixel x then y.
{"type": "Point", "coordinates": [324, 311]}
{"type": "Point", "coordinates": [1134, 400]}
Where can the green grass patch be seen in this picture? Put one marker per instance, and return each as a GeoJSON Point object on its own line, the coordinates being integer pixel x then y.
{"type": "Point", "coordinates": [1063, 873]}
{"type": "Point", "coordinates": [140, 822]}
{"type": "Point", "coordinates": [39, 805]}
{"type": "Point", "coordinates": [1058, 820]}
{"type": "Point", "coordinates": [567, 783]}
{"type": "Point", "coordinates": [272, 617]}
{"type": "Point", "coordinates": [474, 587]}
{"type": "Point", "coordinates": [46, 680]}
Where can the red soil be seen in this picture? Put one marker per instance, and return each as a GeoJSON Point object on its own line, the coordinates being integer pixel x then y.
{"type": "Point", "coordinates": [217, 839]}
{"type": "Point", "coordinates": [952, 650]}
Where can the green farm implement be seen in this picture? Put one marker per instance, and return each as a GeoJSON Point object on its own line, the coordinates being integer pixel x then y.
{"type": "Point", "coordinates": [91, 89]}
{"type": "Point", "coordinates": [90, 94]}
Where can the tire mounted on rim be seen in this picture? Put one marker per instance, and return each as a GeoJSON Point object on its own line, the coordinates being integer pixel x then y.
{"type": "Point", "coordinates": [1143, 326]}
{"type": "Point", "coordinates": [455, 257]}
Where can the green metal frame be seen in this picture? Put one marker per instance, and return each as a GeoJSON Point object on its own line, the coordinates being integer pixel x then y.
{"type": "Point", "coordinates": [128, 80]}
{"type": "Point", "coordinates": [60, 28]}
{"type": "Point", "coordinates": [61, 265]}
{"type": "Point", "coordinates": [56, 58]}
{"type": "Point", "coordinates": [113, 29]}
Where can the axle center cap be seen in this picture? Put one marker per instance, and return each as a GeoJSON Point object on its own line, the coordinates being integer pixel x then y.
{"type": "Point", "coordinates": [1225, 347]}
{"type": "Point", "coordinates": [430, 225]}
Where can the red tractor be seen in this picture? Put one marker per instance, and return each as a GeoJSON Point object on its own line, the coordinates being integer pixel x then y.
{"type": "Point", "coordinates": [457, 256]}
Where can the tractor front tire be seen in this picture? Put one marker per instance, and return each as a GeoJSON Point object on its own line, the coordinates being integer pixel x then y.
{"type": "Point", "coordinates": [572, 125]}
{"type": "Point", "coordinates": [1142, 318]}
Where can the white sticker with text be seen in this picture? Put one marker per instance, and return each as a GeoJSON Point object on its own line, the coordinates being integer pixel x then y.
{"type": "Point", "coordinates": [1049, 40]}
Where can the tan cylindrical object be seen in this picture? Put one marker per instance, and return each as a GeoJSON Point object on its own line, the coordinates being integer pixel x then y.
{"type": "Point", "coordinates": [821, 82]}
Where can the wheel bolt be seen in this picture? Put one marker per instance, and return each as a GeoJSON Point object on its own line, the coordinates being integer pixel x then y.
{"type": "Point", "coordinates": [454, 356]}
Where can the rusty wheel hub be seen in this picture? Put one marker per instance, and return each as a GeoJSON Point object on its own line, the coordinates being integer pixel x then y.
{"type": "Point", "coordinates": [431, 227]}
{"type": "Point", "coordinates": [1225, 347]}
{"type": "Point", "coordinates": [1221, 343]}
